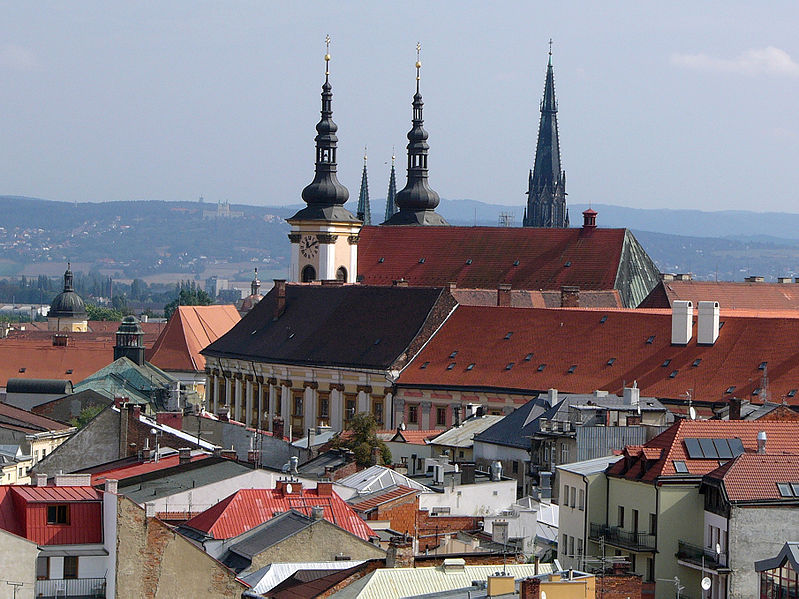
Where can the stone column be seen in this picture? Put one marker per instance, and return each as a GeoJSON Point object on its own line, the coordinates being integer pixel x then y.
{"type": "Point", "coordinates": [214, 393]}
{"type": "Point", "coordinates": [336, 407]}
{"type": "Point", "coordinates": [285, 404]}
{"type": "Point", "coordinates": [424, 417]}
{"type": "Point", "coordinates": [259, 404]}
{"type": "Point", "coordinates": [398, 411]}
{"type": "Point", "coordinates": [239, 399]}
{"type": "Point", "coordinates": [273, 399]}
{"type": "Point", "coordinates": [228, 391]}
{"type": "Point", "coordinates": [388, 413]}
{"type": "Point", "coordinates": [248, 404]}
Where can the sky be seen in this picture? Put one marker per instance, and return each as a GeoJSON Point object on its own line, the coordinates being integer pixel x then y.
{"type": "Point", "coordinates": [661, 105]}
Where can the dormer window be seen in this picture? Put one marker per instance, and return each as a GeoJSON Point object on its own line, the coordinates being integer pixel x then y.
{"type": "Point", "coordinates": [58, 514]}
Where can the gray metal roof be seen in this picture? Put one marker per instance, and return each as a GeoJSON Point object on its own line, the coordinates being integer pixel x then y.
{"type": "Point", "coordinates": [463, 435]}
{"type": "Point", "coordinates": [789, 552]}
{"type": "Point", "coordinates": [261, 538]}
{"type": "Point", "coordinates": [588, 467]}
{"type": "Point", "coordinates": [376, 478]}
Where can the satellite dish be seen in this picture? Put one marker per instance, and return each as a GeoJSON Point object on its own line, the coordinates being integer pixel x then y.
{"type": "Point", "coordinates": [705, 583]}
{"type": "Point", "coordinates": [718, 549]}
{"type": "Point", "coordinates": [543, 595]}
{"type": "Point", "coordinates": [289, 489]}
{"type": "Point", "coordinates": [402, 426]}
{"type": "Point", "coordinates": [692, 413]}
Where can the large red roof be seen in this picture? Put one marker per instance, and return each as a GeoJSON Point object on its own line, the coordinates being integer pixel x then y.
{"type": "Point", "coordinates": [484, 257]}
{"type": "Point", "coordinates": [247, 508]}
{"type": "Point", "coordinates": [730, 295]}
{"type": "Point", "coordinates": [656, 458]}
{"type": "Point", "coordinates": [40, 359]}
{"type": "Point", "coordinates": [190, 330]}
{"type": "Point", "coordinates": [519, 298]}
{"type": "Point", "coordinates": [753, 477]}
{"type": "Point", "coordinates": [580, 350]}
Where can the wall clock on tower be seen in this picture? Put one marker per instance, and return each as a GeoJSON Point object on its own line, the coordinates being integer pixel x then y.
{"type": "Point", "coordinates": [309, 246]}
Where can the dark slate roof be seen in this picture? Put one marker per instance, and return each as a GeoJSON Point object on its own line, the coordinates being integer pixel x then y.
{"type": "Point", "coordinates": [515, 429]}
{"type": "Point", "coordinates": [46, 386]}
{"type": "Point", "coordinates": [788, 553]}
{"type": "Point", "coordinates": [70, 406]}
{"type": "Point", "coordinates": [338, 325]}
{"type": "Point", "coordinates": [305, 584]}
{"type": "Point", "coordinates": [270, 533]}
{"type": "Point", "coordinates": [333, 458]}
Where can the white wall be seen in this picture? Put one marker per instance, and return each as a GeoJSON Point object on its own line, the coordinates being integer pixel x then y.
{"type": "Point", "coordinates": [479, 499]}
{"type": "Point", "coordinates": [571, 520]}
{"type": "Point", "coordinates": [521, 524]}
{"type": "Point", "coordinates": [110, 540]}
{"type": "Point", "coordinates": [17, 564]}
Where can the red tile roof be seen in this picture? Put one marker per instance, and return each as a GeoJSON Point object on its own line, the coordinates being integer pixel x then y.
{"type": "Point", "coordinates": [752, 476]}
{"type": "Point", "coordinates": [247, 508]}
{"type": "Point", "coordinates": [663, 450]}
{"type": "Point", "coordinates": [33, 423]}
{"type": "Point", "coordinates": [131, 470]}
{"type": "Point", "coordinates": [381, 497]}
{"type": "Point", "coordinates": [590, 339]}
{"type": "Point", "coordinates": [41, 360]}
{"type": "Point", "coordinates": [730, 295]}
{"type": "Point", "coordinates": [537, 299]}
{"type": "Point", "coordinates": [386, 254]}
{"type": "Point", "coordinates": [414, 437]}
{"type": "Point", "coordinates": [190, 330]}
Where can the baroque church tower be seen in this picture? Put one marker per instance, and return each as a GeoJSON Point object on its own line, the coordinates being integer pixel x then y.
{"type": "Point", "coordinates": [546, 188]}
{"type": "Point", "coordinates": [324, 235]}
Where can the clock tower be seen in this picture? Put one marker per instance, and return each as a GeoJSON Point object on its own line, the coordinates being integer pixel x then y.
{"type": "Point", "coordinates": [324, 235]}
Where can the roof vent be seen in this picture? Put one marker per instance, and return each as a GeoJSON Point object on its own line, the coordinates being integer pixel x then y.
{"type": "Point", "coordinates": [421, 260]}
{"type": "Point", "coordinates": [754, 279]}
{"type": "Point", "coordinates": [468, 262]}
{"type": "Point", "coordinates": [611, 361]}
{"type": "Point", "coordinates": [650, 340]}
{"type": "Point", "coordinates": [784, 280]}
{"type": "Point", "coordinates": [515, 263]}
{"type": "Point", "coordinates": [381, 260]}
{"type": "Point", "coordinates": [761, 442]}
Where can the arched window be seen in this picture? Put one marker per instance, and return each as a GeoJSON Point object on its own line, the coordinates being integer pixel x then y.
{"type": "Point", "coordinates": [341, 275]}
{"type": "Point", "coordinates": [308, 274]}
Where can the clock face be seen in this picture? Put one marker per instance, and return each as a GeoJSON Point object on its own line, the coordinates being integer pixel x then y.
{"type": "Point", "coordinates": [309, 246]}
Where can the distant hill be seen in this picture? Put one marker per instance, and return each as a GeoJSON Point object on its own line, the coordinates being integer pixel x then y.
{"type": "Point", "coordinates": [145, 237]}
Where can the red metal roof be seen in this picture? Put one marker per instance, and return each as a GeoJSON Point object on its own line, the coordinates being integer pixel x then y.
{"type": "Point", "coordinates": [607, 348]}
{"type": "Point", "coordinates": [247, 508]}
{"type": "Point", "coordinates": [752, 476]}
{"type": "Point", "coordinates": [484, 257]}
{"type": "Point", "coordinates": [656, 457]}
{"type": "Point", "coordinates": [31, 494]}
{"type": "Point", "coordinates": [379, 498]}
{"type": "Point", "coordinates": [28, 420]}
{"type": "Point", "coordinates": [190, 330]}
{"type": "Point", "coordinates": [730, 295]}
{"type": "Point", "coordinates": [131, 470]}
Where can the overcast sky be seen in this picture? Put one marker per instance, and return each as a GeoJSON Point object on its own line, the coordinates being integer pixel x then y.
{"type": "Point", "coordinates": [669, 104]}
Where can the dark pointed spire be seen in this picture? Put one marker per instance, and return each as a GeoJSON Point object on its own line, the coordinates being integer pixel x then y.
{"type": "Point", "coordinates": [391, 204]}
{"type": "Point", "coordinates": [325, 196]}
{"type": "Point", "coordinates": [68, 278]}
{"type": "Point", "coordinates": [255, 285]}
{"type": "Point", "coordinates": [364, 210]}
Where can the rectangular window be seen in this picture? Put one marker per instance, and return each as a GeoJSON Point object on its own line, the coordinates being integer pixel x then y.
{"type": "Point", "coordinates": [58, 514]}
{"type": "Point", "coordinates": [581, 500]}
{"type": "Point", "coordinates": [413, 414]}
{"type": "Point", "coordinates": [377, 411]}
{"type": "Point", "coordinates": [573, 502]}
{"type": "Point", "coordinates": [653, 524]}
{"type": "Point", "coordinates": [632, 562]}
{"type": "Point", "coordinates": [571, 546]}
{"type": "Point", "coordinates": [441, 416]}
{"type": "Point", "coordinates": [71, 566]}
{"type": "Point", "coordinates": [579, 552]}
{"type": "Point", "coordinates": [565, 549]}
{"type": "Point", "coordinates": [635, 521]}
{"type": "Point", "coordinates": [42, 568]}
{"type": "Point", "coordinates": [350, 407]}
{"type": "Point", "coordinates": [515, 467]}
{"type": "Point", "coordinates": [565, 501]}
{"type": "Point", "coordinates": [323, 408]}
{"type": "Point", "coordinates": [620, 517]}
{"type": "Point", "coordinates": [650, 569]}
{"type": "Point", "coordinates": [564, 453]}
{"type": "Point", "coordinates": [297, 407]}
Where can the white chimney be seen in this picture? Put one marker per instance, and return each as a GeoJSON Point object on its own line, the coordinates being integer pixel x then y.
{"type": "Point", "coordinates": [682, 315]}
{"type": "Point", "coordinates": [761, 442]}
{"type": "Point", "coordinates": [552, 397]}
{"type": "Point", "coordinates": [707, 328]}
{"type": "Point", "coordinates": [632, 396]}
{"type": "Point", "coordinates": [438, 474]}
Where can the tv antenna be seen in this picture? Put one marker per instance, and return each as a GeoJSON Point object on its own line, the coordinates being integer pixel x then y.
{"type": "Point", "coordinates": [676, 581]}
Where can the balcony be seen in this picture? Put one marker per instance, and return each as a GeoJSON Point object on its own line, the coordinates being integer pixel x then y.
{"type": "Point", "coordinates": [76, 588]}
{"type": "Point", "coordinates": [623, 539]}
{"type": "Point", "coordinates": [694, 554]}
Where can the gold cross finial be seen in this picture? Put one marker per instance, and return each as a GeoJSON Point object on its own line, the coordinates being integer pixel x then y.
{"type": "Point", "coordinates": [327, 55]}
{"type": "Point", "coordinates": [418, 58]}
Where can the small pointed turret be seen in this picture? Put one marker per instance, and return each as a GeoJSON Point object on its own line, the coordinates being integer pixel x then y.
{"type": "Point", "coordinates": [546, 191]}
{"type": "Point", "coordinates": [391, 203]}
{"type": "Point", "coordinates": [325, 195]}
{"type": "Point", "coordinates": [364, 210]}
{"type": "Point", "coordinates": [417, 201]}
{"type": "Point", "coordinates": [255, 285]}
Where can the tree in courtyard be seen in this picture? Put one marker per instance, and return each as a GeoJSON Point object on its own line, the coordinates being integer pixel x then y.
{"type": "Point", "coordinates": [361, 438]}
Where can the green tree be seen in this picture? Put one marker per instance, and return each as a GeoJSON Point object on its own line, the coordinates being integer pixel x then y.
{"type": "Point", "coordinates": [101, 313]}
{"type": "Point", "coordinates": [188, 294]}
{"type": "Point", "coordinates": [120, 304]}
{"type": "Point", "coordinates": [86, 414]}
{"type": "Point", "coordinates": [361, 438]}
{"type": "Point", "coordinates": [138, 289]}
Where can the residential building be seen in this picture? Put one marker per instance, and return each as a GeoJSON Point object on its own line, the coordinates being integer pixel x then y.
{"type": "Point", "coordinates": [409, 447]}
{"type": "Point", "coordinates": [458, 442]}
{"type": "Point", "coordinates": [18, 558]}
{"type": "Point", "coordinates": [320, 576]}
{"type": "Point", "coordinates": [300, 356]}
{"type": "Point", "coordinates": [779, 575]}
{"type": "Point", "coordinates": [744, 498]}
{"type": "Point", "coordinates": [37, 435]}
{"type": "Point", "coordinates": [582, 486]}
{"type": "Point", "coordinates": [14, 465]}
{"type": "Point", "coordinates": [532, 526]}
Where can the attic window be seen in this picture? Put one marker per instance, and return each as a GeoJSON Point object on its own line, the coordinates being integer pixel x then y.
{"type": "Point", "coordinates": [451, 366]}
{"type": "Point", "coordinates": [528, 357]}
{"type": "Point", "coordinates": [508, 334]}
{"type": "Point", "coordinates": [541, 367]}
{"type": "Point", "coordinates": [510, 365]}
{"type": "Point", "coordinates": [69, 371]}
{"type": "Point", "coordinates": [611, 361]}
{"type": "Point", "coordinates": [424, 365]}
{"type": "Point", "coordinates": [291, 335]}
{"type": "Point", "coordinates": [762, 366]}
{"type": "Point", "coordinates": [568, 264]}
{"type": "Point", "coordinates": [470, 366]}
{"type": "Point", "coordinates": [792, 393]}
{"type": "Point", "coordinates": [515, 263]}
{"type": "Point", "coordinates": [665, 364]}
{"type": "Point", "coordinates": [756, 391]}
{"type": "Point", "coordinates": [453, 354]}
{"type": "Point", "coordinates": [468, 262]}
{"type": "Point", "coordinates": [421, 260]}
{"type": "Point", "coordinates": [377, 341]}
{"type": "Point", "coordinates": [572, 368]}
{"type": "Point", "coordinates": [650, 340]}
{"type": "Point", "coordinates": [381, 260]}
{"type": "Point", "coordinates": [680, 467]}
{"type": "Point", "coordinates": [697, 362]}
{"type": "Point", "coordinates": [22, 369]}
{"type": "Point", "coordinates": [603, 319]}
{"type": "Point", "coordinates": [730, 389]}
{"type": "Point", "coordinates": [673, 374]}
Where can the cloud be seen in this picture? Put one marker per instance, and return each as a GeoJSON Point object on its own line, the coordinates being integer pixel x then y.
{"type": "Point", "coordinates": [17, 58]}
{"type": "Point", "coordinates": [768, 61]}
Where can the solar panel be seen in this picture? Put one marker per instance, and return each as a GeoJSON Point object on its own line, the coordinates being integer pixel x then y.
{"type": "Point", "coordinates": [694, 451]}
{"type": "Point", "coordinates": [722, 448]}
{"type": "Point", "coordinates": [680, 467]}
{"type": "Point", "coordinates": [708, 449]}
{"type": "Point", "coordinates": [736, 446]}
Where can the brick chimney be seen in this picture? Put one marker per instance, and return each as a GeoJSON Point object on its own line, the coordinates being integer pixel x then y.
{"type": "Point", "coordinates": [173, 419]}
{"type": "Point", "coordinates": [324, 488]}
{"type": "Point", "coordinates": [504, 295]}
{"type": "Point", "coordinates": [280, 298]}
{"type": "Point", "coordinates": [569, 296]}
{"type": "Point", "coordinates": [530, 588]}
{"type": "Point", "coordinates": [589, 219]}
{"type": "Point", "coordinates": [184, 455]}
{"type": "Point", "coordinates": [735, 408]}
{"type": "Point", "coordinates": [400, 553]}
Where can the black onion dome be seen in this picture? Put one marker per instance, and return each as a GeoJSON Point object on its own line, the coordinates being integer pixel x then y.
{"type": "Point", "coordinates": [67, 304]}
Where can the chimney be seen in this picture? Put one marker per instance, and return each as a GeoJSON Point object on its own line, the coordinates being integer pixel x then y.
{"type": "Point", "coordinates": [375, 457]}
{"type": "Point", "coordinates": [400, 553]}
{"type": "Point", "coordinates": [280, 298]}
{"type": "Point", "coordinates": [317, 512]}
{"type": "Point", "coordinates": [530, 588]}
{"type": "Point", "coordinates": [111, 485]}
{"type": "Point", "coordinates": [496, 470]}
{"type": "Point", "coordinates": [754, 279]}
{"type": "Point", "coordinates": [682, 315]}
{"type": "Point", "coordinates": [149, 510]}
{"type": "Point", "coordinates": [569, 296]}
{"type": "Point", "coordinates": [119, 401]}
{"type": "Point", "coordinates": [41, 480]}
{"type": "Point", "coordinates": [735, 408]}
{"type": "Point", "coordinates": [135, 410]}
{"type": "Point", "coordinates": [589, 219]}
{"type": "Point", "coordinates": [184, 455]}
{"type": "Point", "coordinates": [277, 427]}
{"type": "Point", "coordinates": [324, 488]}
{"type": "Point", "coordinates": [223, 414]}
{"type": "Point", "coordinates": [229, 454]}
{"type": "Point", "coordinates": [632, 396]}
{"type": "Point", "coordinates": [683, 276]}
{"type": "Point", "coordinates": [761, 442]}
{"type": "Point", "coordinates": [707, 329]}
{"type": "Point", "coordinates": [467, 473]}
{"type": "Point", "coordinates": [438, 474]}
{"type": "Point", "coordinates": [504, 295]}
{"type": "Point", "coordinates": [173, 419]}
{"type": "Point", "coordinates": [552, 397]}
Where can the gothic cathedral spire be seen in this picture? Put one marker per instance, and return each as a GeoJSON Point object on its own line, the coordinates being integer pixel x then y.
{"type": "Point", "coordinates": [364, 211]}
{"type": "Point", "coordinates": [391, 204]}
{"type": "Point", "coordinates": [546, 187]}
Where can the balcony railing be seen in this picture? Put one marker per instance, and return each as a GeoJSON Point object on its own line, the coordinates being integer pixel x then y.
{"type": "Point", "coordinates": [624, 539]}
{"type": "Point", "coordinates": [83, 588]}
{"type": "Point", "coordinates": [694, 554]}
